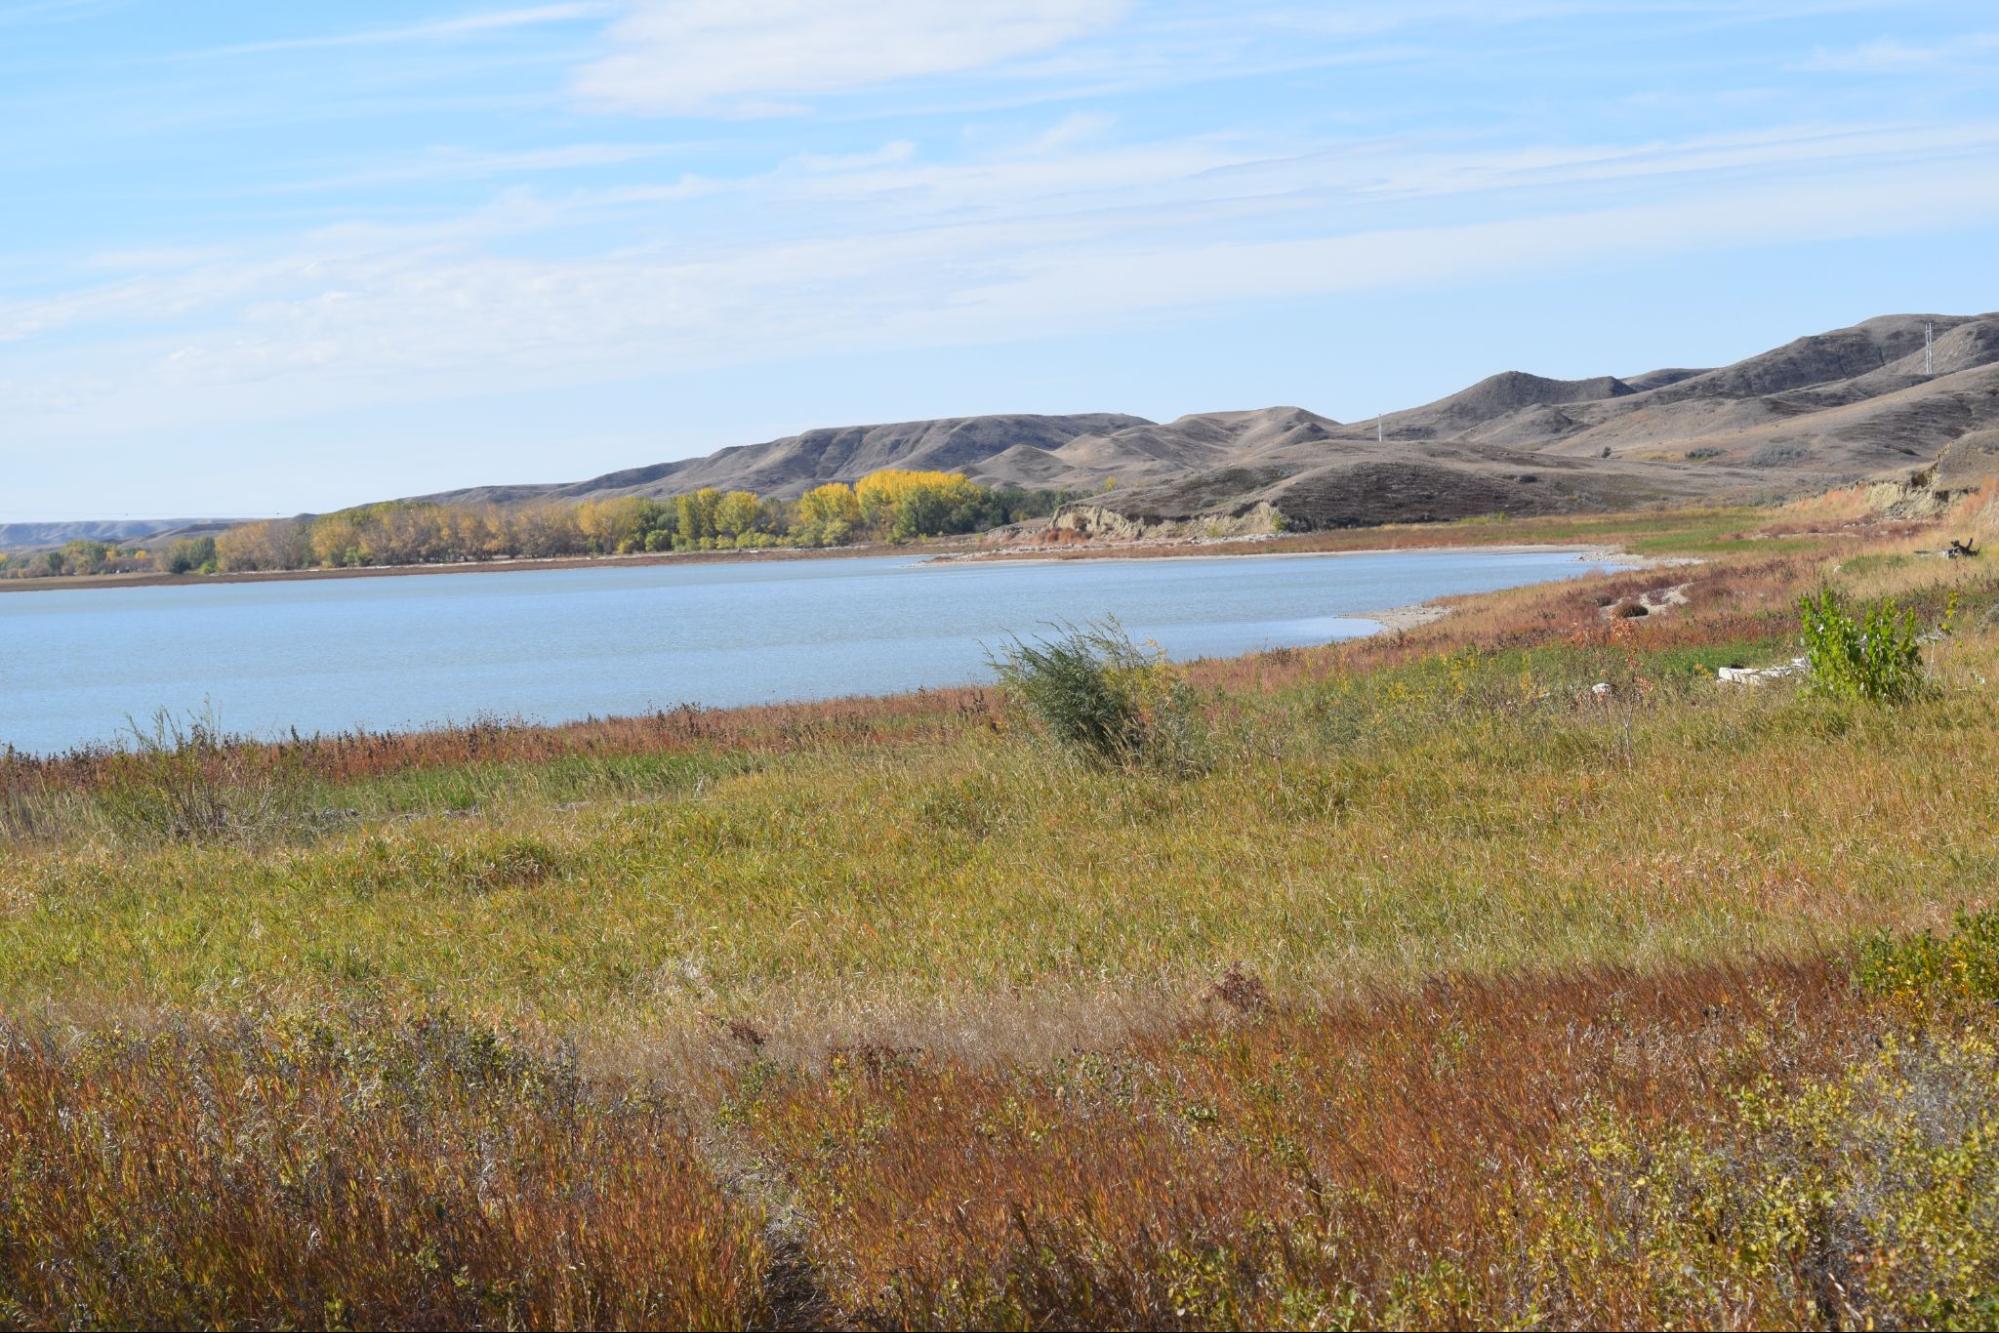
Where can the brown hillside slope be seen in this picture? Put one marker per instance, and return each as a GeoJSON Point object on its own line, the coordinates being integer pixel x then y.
{"type": "Point", "coordinates": [794, 464]}
{"type": "Point", "coordinates": [1822, 410]}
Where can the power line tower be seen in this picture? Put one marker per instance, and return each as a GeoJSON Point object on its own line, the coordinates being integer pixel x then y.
{"type": "Point", "coordinates": [1929, 347]}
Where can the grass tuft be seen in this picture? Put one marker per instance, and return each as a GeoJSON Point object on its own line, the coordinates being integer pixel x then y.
{"type": "Point", "coordinates": [1103, 696]}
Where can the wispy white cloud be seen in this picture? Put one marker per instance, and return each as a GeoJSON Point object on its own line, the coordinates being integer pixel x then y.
{"type": "Point", "coordinates": [1873, 203]}
{"type": "Point", "coordinates": [1186, 45]}
{"type": "Point", "coordinates": [1088, 234]}
{"type": "Point", "coordinates": [1077, 128]}
{"type": "Point", "coordinates": [1891, 56]}
{"type": "Point", "coordinates": [1422, 173]}
{"type": "Point", "coordinates": [52, 11]}
{"type": "Point", "coordinates": [760, 56]}
{"type": "Point", "coordinates": [900, 150]}
{"type": "Point", "coordinates": [1361, 19]}
{"type": "Point", "coordinates": [465, 25]}
{"type": "Point", "coordinates": [1072, 170]}
{"type": "Point", "coordinates": [1020, 173]}
{"type": "Point", "coordinates": [462, 164]}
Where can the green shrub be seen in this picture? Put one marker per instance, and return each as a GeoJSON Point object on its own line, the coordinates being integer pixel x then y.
{"type": "Point", "coordinates": [1878, 658]}
{"type": "Point", "coordinates": [1929, 970]}
{"type": "Point", "coordinates": [1099, 693]}
{"type": "Point", "coordinates": [1868, 1198]}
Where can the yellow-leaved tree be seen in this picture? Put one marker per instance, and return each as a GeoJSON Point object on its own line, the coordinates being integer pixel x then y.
{"type": "Point", "coordinates": [736, 515]}
{"type": "Point", "coordinates": [827, 515]}
{"type": "Point", "coordinates": [882, 493]}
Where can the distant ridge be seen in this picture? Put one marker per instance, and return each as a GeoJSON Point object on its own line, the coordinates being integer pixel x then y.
{"type": "Point", "coordinates": [1498, 396]}
{"type": "Point", "coordinates": [34, 536]}
{"type": "Point", "coordinates": [1822, 410]}
{"type": "Point", "coordinates": [796, 463]}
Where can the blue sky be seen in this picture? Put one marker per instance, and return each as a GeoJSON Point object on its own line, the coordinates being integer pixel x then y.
{"type": "Point", "coordinates": [262, 258]}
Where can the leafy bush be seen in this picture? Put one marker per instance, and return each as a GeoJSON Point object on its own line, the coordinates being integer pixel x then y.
{"type": "Point", "coordinates": [1101, 694]}
{"type": "Point", "coordinates": [1929, 970]}
{"type": "Point", "coordinates": [1866, 1199]}
{"type": "Point", "coordinates": [188, 556]}
{"type": "Point", "coordinates": [1878, 658]}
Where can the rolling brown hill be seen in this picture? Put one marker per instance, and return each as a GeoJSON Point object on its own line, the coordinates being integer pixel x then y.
{"type": "Point", "coordinates": [38, 536]}
{"type": "Point", "coordinates": [796, 463]}
{"type": "Point", "coordinates": [1823, 410]}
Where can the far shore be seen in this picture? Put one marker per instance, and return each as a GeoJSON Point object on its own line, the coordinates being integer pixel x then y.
{"type": "Point", "coordinates": [768, 553]}
{"type": "Point", "coordinates": [1234, 550]}
{"type": "Point", "coordinates": [963, 551]}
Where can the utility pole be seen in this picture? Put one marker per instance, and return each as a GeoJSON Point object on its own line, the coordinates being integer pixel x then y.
{"type": "Point", "coordinates": [1929, 347]}
{"type": "Point", "coordinates": [1378, 435]}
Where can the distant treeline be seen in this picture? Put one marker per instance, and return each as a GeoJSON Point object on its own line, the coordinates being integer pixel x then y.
{"type": "Point", "coordinates": [891, 505]}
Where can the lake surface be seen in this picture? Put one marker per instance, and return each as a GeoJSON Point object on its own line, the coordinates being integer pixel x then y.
{"type": "Point", "coordinates": [77, 665]}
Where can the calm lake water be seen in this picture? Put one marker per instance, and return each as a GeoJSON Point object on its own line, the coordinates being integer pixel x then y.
{"type": "Point", "coordinates": [552, 645]}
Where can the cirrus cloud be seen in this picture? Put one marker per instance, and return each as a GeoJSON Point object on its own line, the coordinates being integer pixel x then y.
{"type": "Point", "coordinates": [749, 57]}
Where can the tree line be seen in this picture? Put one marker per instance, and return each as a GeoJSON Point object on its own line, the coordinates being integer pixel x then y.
{"type": "Point", "coordinates": [893, 505]}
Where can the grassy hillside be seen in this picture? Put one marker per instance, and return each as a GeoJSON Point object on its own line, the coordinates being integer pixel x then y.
{"type": "Point", "coordinates": [1510, 970]}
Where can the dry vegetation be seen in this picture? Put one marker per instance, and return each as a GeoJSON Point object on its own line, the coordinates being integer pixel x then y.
{"type": "Point", "coordinates": [1602, 1150]}
{"type": "Point", "coordinates": [1430, 985]}
{"type": "Point", "coordinates": [267, 1172]}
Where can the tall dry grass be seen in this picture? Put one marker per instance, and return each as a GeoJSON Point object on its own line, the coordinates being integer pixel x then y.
{"type": "Point", "coordinates": [353, 756]}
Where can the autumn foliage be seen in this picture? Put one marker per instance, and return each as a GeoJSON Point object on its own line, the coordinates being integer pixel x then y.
{"type": "Point", "coordinates": [891, 505]}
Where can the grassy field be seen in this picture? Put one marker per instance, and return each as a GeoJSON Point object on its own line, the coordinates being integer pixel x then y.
{"type": "Point", "coordinates": [1510, 970]}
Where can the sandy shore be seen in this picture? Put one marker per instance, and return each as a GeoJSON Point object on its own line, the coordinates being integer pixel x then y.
{"type": "Point", "coordinates": [1398, 618]}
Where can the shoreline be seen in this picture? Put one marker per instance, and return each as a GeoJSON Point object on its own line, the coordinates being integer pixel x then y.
{"type": "Point", "coordinates": [71, 582]}
{"type": "Point", "coordinates": [1398, 619]}
{"type": "Point", "coordinates": [1385, 622]}
{"type": "Point", "coordinates": [1583, 551]}
{"type": "Point", "coordinates": [957, 553]}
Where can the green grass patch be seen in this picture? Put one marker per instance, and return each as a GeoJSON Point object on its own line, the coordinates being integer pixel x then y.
{"type": "Point", "coordinates": [1475, 809]}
